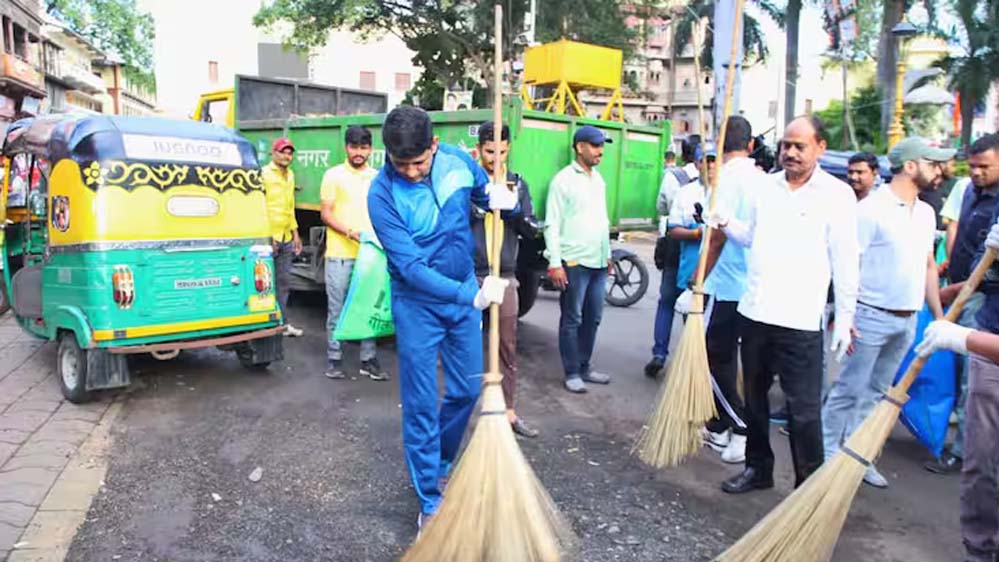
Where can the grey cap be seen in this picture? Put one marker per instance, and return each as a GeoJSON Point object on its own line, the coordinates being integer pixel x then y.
{"type": "Point", "coordinates": [915, 148]}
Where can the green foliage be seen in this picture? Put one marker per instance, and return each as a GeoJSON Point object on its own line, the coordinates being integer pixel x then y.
{"type": "Point", "coordinates": [115, 27]}
{"type": "Point", "coordinates": [754, 44]}
{"type": "Point", "coordinates": [865, 112]}
{"type": "Point", "coordinates": [453, 40]}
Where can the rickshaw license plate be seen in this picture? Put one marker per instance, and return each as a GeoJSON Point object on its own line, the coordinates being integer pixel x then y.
{"type": "Point", "coordinates": [259, 303]}
{"type": "Point", "coordinates": [197, 283]}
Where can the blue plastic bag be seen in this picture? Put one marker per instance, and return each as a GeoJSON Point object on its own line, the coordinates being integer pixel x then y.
{"type": "Point", "coordinates": [932, 394]}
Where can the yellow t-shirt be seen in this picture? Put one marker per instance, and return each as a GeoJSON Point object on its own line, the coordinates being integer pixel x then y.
{"type": "Point", "coordinates": [347, 188]}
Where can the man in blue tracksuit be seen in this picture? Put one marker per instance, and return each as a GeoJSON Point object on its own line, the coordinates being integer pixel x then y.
{"type": "Point", "coordinates": [419, 205]}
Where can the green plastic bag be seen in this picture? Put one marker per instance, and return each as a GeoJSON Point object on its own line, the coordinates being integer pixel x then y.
{"type": "Point", "coordinates": [367, 311]}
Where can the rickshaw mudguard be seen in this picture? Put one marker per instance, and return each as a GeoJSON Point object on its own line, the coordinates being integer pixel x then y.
{"type": "Point", "coordinates": [71, 319]}
{"type": "Point", "coordinates": [104, 369]}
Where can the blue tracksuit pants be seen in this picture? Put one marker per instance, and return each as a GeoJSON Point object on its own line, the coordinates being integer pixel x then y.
{"type": "Point", "coordinates": [431, 436]}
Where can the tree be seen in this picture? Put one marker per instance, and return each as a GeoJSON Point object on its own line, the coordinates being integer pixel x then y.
{"type": "Point", "coordinates": [972, 71]}
{"type": "Point", "coordinates": [116, 27]}
{"type": "Point", "coordinates": [791, 28]}
{"type": "Point", "coordinates": [452, 40]}
{"type": "Point", "coordinates": [754, 44]}
{"type": "Point", "coordinates": [865, 104]}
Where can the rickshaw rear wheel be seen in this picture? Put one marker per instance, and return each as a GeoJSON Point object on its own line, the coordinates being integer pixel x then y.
{"type": "Point", "coordinates": [71, 366]}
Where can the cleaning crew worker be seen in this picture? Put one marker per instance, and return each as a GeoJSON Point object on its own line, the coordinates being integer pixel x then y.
{"type": "Point", "coordinates": [419, 205]}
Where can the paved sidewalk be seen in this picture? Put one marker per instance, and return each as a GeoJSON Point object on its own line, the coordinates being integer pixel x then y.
{"type": "Point", "coordinates": [39, 434]}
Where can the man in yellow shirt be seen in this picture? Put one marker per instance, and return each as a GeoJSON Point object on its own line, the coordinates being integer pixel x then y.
{"type": "Point", "coordinates": [344, 208]}
{"type": "Point", "coordinates": [279, 186]}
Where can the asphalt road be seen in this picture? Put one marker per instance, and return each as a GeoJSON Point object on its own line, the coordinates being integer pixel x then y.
{"type": "Point", "coordinates": [334, 487]}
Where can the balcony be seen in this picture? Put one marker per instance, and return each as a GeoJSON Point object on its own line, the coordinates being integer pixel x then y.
{"type": "Point", "coordinates": [80, 79]}
{"type": "Point", "coordinates": [21, 73]}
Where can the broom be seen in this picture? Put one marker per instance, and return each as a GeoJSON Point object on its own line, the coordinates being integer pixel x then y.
{"type": "Point", "coordinates": [672, 433]}
{"type": "Point", "coordinates": [806, 525]}
{"type": "Point", "coordinates": [495, 509]}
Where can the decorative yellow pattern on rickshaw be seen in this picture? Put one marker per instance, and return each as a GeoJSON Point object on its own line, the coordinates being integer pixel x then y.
{"type": "Point", "coordinates": [165, 176]}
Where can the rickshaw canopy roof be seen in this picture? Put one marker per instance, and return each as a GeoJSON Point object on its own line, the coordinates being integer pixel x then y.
{"type": "Point", "coordinates": [85, 137]}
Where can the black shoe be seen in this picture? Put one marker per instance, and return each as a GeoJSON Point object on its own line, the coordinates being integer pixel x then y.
{"type": "Point", "coordinates": [373, 370]}
{"type": "Point", "coordinates": [334, 370]}
{"type": "Point", "coordinates": [522, 429]}
{"type": "Point", "coordinates": [747, 481]}
{"type": "Point", "coordinates": [946, 464]}
{"type": "Point", "coordinates": [653, 367]}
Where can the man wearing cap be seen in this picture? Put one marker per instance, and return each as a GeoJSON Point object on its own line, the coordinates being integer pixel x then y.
{"type": "Point", "coordinates": [801, 230]}
{"type": "Point", "coordinates": [895, 232]}
{"type": "Point", "coordinates": [577, 237]}
{"type": "Point", "coordinates": [344, 210]}
{"type": "Point", "coordinates": [279, 187]}
{"type": "Point", "coordinates": [420, 203]}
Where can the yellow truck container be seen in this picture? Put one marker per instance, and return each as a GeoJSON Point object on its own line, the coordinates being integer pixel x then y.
{"type": "Point", "coordinates": [577, 64]}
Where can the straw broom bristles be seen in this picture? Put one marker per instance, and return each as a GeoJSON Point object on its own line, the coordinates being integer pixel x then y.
{"type": "Point", "coordinates": [807, 524]}
{"type": "Point", "coordinates": [495, 509]}
{"type": "Point", "coordinates": [685, 402]}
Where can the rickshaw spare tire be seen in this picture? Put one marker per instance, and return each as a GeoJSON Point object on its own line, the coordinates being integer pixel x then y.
{"type": "Point", "coordinates": [71, 368]}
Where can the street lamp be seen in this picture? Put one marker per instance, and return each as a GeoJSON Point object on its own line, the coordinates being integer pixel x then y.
{"type": "Point", "coordinates": [903, 31]}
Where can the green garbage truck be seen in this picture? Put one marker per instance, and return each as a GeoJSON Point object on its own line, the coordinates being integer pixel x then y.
{"type": "Point", "coordinates": [541, 145]}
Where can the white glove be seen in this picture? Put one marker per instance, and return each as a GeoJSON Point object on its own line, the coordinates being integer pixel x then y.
{"type": "Point", "coordinates": [492, 291]}
{"type": "Point", "coordinates": [715, 219]}
{"type": "Point", "coordinates": [684, 301]}
{"type": "Point", "coordinates": [992, 240]}
{"type": "Point", "coordinates": [841, 338]}
{"type": "Point", "coordinates": [941, 334]}
{"type": "Point", "coordinates": [501, 196]}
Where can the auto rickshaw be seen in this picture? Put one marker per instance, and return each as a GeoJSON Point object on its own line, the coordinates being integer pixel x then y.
{"type": "Point", "coordinates": [129, 235]}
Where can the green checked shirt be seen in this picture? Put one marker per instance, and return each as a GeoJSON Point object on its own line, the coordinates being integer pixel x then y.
{"type": "Point", "coordinates": [577, 230]}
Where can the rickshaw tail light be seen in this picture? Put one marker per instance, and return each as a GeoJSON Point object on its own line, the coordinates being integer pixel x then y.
{"type": "Point", "coordinates": [262, 276]}
{"type": "Point", "coordinates": [123, 285]}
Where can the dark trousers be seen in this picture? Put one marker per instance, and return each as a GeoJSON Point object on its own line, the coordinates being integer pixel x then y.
{"type": "Point", "coordinates": [508, 312]}
{"type": "Point", "coordinates": [979, 483]}
{"type": "Point", "coordinates": [283, 254]}
{"type": "Point", "coordinates": [582, 304]}
{"type": "Point", "coordinates": [795, 356]}
{"type": "Point", "coordinates": [668, 292]}
{"type": "Point", "coordinates": [723, 344]}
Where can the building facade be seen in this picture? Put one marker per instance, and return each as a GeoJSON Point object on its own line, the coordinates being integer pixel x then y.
{"type": "Point", "coordinates": [22, 85]}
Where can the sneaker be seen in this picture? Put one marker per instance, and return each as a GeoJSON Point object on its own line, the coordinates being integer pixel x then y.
{"type": "Point", "coordinates": [596, 378]}
{"type": "Point", "coordinates": [522, 429]}
{"type": "Point", "coordinates": [422, 521]}
{"type": "Point", "coordinates": [735, 453]}
{"type": "Point", "coordinates": [575, 384]}
{"type": "Point", "coordinates": [653, 367]}
{"type": "Point", "coordinates": [875, 478]}
{"type": "Point", "coordinates": [948, 463]}
{"type": "Point", "coordinates": [334, 371]}
{"type": "Point", "coordinates": [717, 441]}
{"type": "Point", "coordinates": [292, 332]}
{"type": "Point", "coordinates": [373, 370]}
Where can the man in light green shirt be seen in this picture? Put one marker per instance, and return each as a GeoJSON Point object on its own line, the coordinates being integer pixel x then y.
{"type": "Point", "coordinates": [577, 236]}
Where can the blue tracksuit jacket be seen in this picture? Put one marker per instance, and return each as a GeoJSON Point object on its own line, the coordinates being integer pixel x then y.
{"type": "Point", "coordinates": [424, 228]}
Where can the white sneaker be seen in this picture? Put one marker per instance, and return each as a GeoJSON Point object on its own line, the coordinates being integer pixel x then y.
{"type": "Point", "coordinates": [292, 332]}
{"type": "Point", "coordinates": [717, 441]}
{"type": "Point", "coordinates": [875, 478]}
{"type": "Point", "coordinates": [735, 453]}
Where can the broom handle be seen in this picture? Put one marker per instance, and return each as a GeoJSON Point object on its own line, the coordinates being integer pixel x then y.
{"type": "Point", "coordinates": [498, 180]}
{"type": "Point", "coordinates": [702, 259]}
{"type": "Point", "coordinates": [952, 314]}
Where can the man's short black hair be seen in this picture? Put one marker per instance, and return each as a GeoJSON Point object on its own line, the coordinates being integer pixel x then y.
{"type": "Point", "coordinates": [688, 147]}
{"type": "Point", "coordinates": [738, 134]}
{"type": "Point", "coordinates": [357, 136]}
{"type": "Point", "coordinates": [487, 133]}
{"type": "Point", "coordinates": [407, 132]}
{"type": "Point", "coordinates": [867, 158]}
{"type": "Point", "coordinates": [670, 155]}
{"type": "Point", "coordinates": [984, 144]}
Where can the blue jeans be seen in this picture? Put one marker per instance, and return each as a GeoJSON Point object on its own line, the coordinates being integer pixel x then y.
{"type": "Point", "coordinates": [966, 319]}
{"type": "Point", "coordinates": [668, 293]}
{"type": "Point", "coordinates": [338, 271]}
{"type": "Point", "coordinates": [582, 304]}
{"type": "Point", "coordinates": [867, 373]}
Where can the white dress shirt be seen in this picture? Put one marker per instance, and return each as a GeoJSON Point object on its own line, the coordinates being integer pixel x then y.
{"type": "Point", "coordinates": [895, 239]}
{"type": "Point", "coordinates": [797, 240]}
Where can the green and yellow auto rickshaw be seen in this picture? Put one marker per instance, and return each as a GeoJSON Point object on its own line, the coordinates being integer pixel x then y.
{"type": "Point", "coordinates": [132, 235]}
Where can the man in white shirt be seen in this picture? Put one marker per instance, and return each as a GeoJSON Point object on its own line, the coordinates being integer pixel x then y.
{"type": "Point", "coordinates": [897, 271]}
{"type": "Point", "coordinates": [801, 230]}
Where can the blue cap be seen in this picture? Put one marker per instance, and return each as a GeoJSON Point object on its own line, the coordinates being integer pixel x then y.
{"type": "Point", "coordinates": [704, 150]}
{"type": "Point", "coordinates": [590, 134]}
